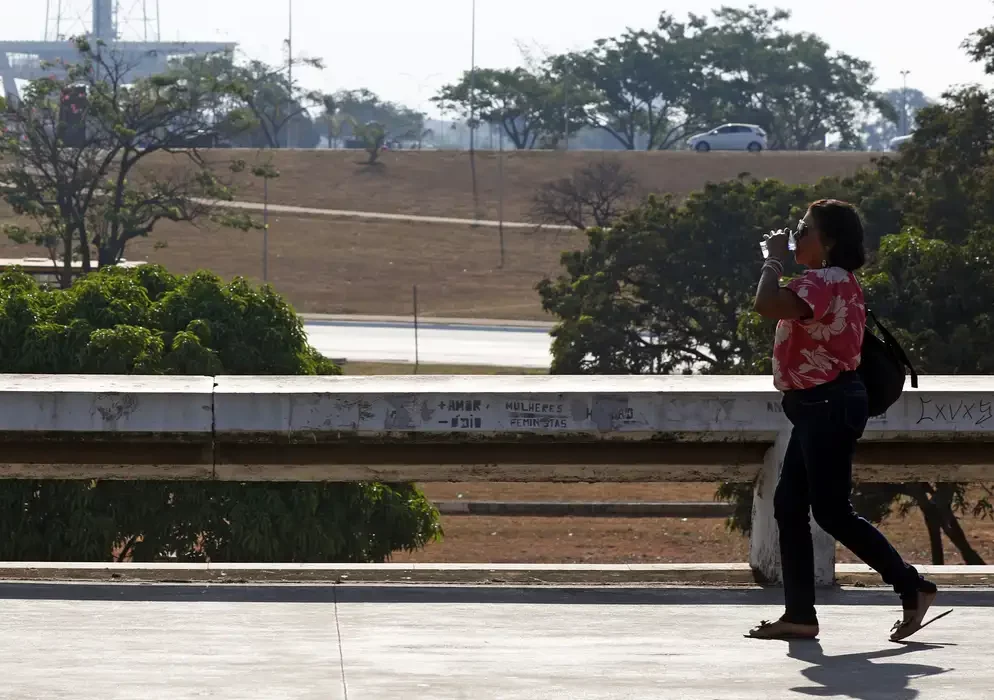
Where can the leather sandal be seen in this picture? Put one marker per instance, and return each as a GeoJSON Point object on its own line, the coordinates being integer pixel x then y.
{"type": "Point", "coordinates": [781, 629]}
{"type": "Point", "coordinates": [913, 617]}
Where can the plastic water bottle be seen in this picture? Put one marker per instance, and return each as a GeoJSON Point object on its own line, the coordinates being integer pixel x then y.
{"type": "Point", "coordinates": [791, 244]}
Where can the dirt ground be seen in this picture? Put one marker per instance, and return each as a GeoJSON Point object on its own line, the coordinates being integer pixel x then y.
{"type": "Point", "coordinates": [440, 183]}
{"type": "Point", "coordinates": [327, 265]}
{"type": "Point", "coordinates": [366, 267]}
{"type": "Point", "coordinates": [630, 540]}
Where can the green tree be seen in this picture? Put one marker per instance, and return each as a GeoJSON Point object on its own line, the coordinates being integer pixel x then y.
{"type": "Point", "coordinates": [645, 87]}
{"type": "Point", "coordinates": [947, 169]}
{"type": "Point", "coordinates": [665, 289]}
{"type": "Point", "coordinates": [360, 107]}
{"type": "Point", "coordinates": [372, 136]}
{"type": "Point", "coordinates": [668, 287]}
{"type": "Point", "coordinates": [332, 119]}
{"type": "Point", "coordinates": [146, 321]}
{"type": "Point", "coordinates": [261, 108]}
{"type": "Point", "coordinates": [529, 105]}
{"type": "Point", "coordinates": [75, 171]}
{"type": "Point", "coordinates": [878, 130]}
{"type": "Point", "coordinates": [791, 84]}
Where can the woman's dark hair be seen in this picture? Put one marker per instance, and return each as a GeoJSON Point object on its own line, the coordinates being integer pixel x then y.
{"type": "Point", "coordinates": [839, 222]}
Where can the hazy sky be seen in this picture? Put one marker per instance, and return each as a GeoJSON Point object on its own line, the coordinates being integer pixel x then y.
{"type": "Point", "coordinates": [404, 50]}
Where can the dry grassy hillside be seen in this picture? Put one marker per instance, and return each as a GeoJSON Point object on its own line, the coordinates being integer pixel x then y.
{"type": "Point", "coordinates": [439, 183]}
{"type": "Point", "coordinates": [353, 266]}
{"type": "Point", "coordinates": [336, 266]}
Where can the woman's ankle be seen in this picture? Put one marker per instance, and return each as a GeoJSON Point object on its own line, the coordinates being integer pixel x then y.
{"type": "Point", "coordinates": [810, 619]}
{"type": "Point", "coordinates": [909, 599]}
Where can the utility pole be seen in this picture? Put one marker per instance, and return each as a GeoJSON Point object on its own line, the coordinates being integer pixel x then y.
{"type": "Point", "coordinates": [904, 103]}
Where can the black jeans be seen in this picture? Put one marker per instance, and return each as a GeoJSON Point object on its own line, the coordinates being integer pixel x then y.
{"type": "Point", "coordinates": [817, 473]}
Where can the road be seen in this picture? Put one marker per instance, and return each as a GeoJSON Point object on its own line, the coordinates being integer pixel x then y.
{"type": "Point", "coordinates": [120, 641]}
{"type": "Point", "coordinates": [439, 342]}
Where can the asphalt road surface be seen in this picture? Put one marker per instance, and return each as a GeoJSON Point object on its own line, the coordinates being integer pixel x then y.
{"type": "Point", "coordinates": [120, 642]}
{"type": "Point", "coordinates": [438, 343]}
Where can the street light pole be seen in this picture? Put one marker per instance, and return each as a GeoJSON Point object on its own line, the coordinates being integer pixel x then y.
{"type": "Point", "coordinates": [904, 103]}
{"type": "Point", "coordinates": [472, 85]}
{"type": "Point", "coordinates": [566, 106]}
{"type": "Point", "coordinates": [289, 70]}
{"type": "Point", "coordinates": [472, 118]}
{"type": "Point", "coordinates": [500, 198]}
{"type": "Point", "coordinates": [265, 229]}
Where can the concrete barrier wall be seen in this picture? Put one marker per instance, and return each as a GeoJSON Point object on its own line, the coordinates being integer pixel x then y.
{"type": "Point", "coordinates": [602, 407]}
{"type": "Point", "coordinates": [325, 409]}
{"type": "Point", "coordinates": [694, 408]}
{"type": "Point", "coordinates": [109, 405]}
{"type": "Point", "coordinates": [463, 428]}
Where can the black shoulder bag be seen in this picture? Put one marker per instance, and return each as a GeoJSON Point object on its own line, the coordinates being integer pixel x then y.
{"type": "Point", "coordinates": [882, 368]}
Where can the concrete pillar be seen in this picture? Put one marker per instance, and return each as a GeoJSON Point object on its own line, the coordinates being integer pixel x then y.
{"type": "Point", "coordinates": [764, 546]}
{"type": "Point", "coordinates": [7, 72]}
{"type": "Point", "coordinates": [103, 20]}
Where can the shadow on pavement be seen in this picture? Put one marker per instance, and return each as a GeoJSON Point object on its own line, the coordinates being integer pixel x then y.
{"type": "Point", "coordinates": [419, 594]}
{"type": "Point", "coordinates": [862, 676]}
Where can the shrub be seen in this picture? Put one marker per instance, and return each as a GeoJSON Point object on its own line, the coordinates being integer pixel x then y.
{"type": "Point", "coordinates": [146, 321]}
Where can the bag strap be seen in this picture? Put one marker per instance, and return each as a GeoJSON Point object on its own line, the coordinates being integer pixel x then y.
{"type": "Point", "coordinates": [892, 343]}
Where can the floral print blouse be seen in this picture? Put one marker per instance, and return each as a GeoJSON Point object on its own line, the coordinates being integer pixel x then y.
{"type": "Point", "coordinates": [816, 350]}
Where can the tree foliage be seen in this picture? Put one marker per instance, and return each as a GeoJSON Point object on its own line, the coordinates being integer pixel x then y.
{"type": "Point", "coordinates": [668, 287]}
{"type": "Point", "coordinates": [75, 172]}
{"type": "Point", "coordinates": [878, 129]}
{"type": "Point", "coordinates": [651, 88]}
{"type": "Point", "coordinates": [665, 289]}
{"type": "Point", "coordinates": [145, 321]}
{"type": "Point", "coordinates": [260, 107]}
{"type": "Point", "coordinates": [372, 136]}
{"type": "Point", "coordinates": [528, 105]}
{"type": "Point", "coordinates": [789, 83]}
{"type": "Point", "coordinates": [643, 86]}
{"type": "Point", "coordinates": [356, 108]}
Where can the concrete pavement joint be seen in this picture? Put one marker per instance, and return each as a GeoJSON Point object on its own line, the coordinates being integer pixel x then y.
{"type": "Point", "coordinates": [341, 649]}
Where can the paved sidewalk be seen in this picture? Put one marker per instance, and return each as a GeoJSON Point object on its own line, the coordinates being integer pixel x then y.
{"type": "Point", "coordinates": [120, 641]}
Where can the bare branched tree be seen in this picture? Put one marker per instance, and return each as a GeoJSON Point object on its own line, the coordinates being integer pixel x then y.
{"type": "Point", "coordinates": [594, 195]}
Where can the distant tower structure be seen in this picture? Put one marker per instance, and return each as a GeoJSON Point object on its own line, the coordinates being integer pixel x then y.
{"type": "Point", "coordinates": [131, 27]}
{"type": "Point", "coordinates": [109, 20]}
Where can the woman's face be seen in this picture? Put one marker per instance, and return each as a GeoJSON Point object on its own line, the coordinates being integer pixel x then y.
{"type": "Point", "coordinates": [810, 251]}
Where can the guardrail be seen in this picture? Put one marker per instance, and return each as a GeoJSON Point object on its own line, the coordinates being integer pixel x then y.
{"type": "Point", "coordinates": [469, 428]}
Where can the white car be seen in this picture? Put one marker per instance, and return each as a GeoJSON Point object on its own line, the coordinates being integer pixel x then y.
{"type": "Point", "coordinates": [730, 137]}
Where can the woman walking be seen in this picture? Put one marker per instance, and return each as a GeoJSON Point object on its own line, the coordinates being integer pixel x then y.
{"type": "Point", "coordinates": [821, 317]}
